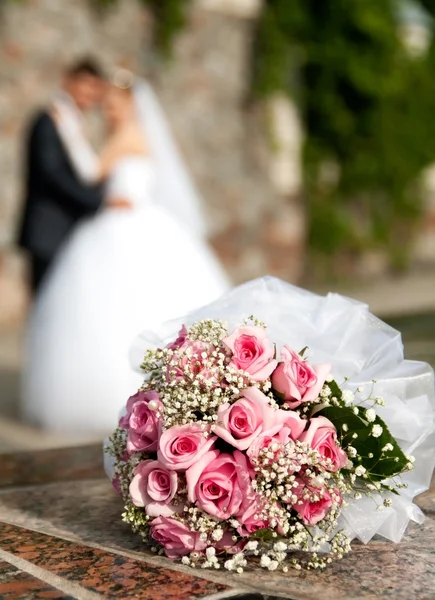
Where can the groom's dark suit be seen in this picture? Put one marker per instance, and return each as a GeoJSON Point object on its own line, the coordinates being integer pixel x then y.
{"type": "Point", "coordinates": [55, 198]}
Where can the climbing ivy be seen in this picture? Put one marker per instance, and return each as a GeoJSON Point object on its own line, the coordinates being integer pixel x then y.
{"type": "Point", "coordinates": [366, 105]}
{"type": "Point", "coordinates": [170, 18]}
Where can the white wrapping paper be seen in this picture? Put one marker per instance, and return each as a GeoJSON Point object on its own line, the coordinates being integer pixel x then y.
{"type": "Point", "coordinates": [344, 333]}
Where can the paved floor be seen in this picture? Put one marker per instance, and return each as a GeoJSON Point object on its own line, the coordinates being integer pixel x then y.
{"type": "Point", "coordinates": [61, 536]}
{"type": "Point", "coordinates": [408, 295]}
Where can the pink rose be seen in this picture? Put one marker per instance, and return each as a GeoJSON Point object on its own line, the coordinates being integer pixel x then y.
{"type": "Point", "coordinates": [312, 511]}
{"type": "Point", "coordinates": [282, 438]}
{"type": "Point", "coordinates": [250, 520]}
{"type": "Point", "coordinates": [153, 486]}
{"type": "Point", "coordinates": [321, 435]}
{"type": "Point", "coordinates": [240, 423]}
{"type": "Point", "coordinates": [297, 381]}
{"type": "Point", "coordinates": [116, 484]}
{"type": "Point", "coordinates": [175, 537]}
{"type": "Point", "coordinates": [142, 423]}
{"type": "Point", "coordinates": [182, 445]}
{"type": "Point", "coordinates": [189, 360]}
{"type": "Point", "coordinates": [293, 422]}
{"type": "Point", "coordinates": [230, 546]}
{"type": "Point", "coordinates": [252, 352]}
{"type": "Point", "coordinates": [182, 335]}
{"type": "Point", "coordinates": [220, 484]}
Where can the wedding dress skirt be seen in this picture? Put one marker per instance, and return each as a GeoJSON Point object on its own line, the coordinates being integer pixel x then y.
{"type": "Point", "coordinates": [121, 272]}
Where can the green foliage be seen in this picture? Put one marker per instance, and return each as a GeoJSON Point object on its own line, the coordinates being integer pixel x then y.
{"type": "Point", "coordinates": [271, 55]}
{"type": "Point", "coordinates": [366, 106]}
{"type": "Point", "coordinates": [170, 17]}
{"type": "Point", "coordinates": [380, 465]}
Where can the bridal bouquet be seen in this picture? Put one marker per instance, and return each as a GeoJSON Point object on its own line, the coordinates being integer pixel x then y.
{"type": "Point", "coordinates": [239, 446]}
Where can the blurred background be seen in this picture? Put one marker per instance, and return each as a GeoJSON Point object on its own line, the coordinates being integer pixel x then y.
{"type": "Point", "coordinates": [309, 128]}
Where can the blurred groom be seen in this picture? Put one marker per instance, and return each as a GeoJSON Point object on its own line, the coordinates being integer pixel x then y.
{"type": "Point", "coordinates": [56, 199]}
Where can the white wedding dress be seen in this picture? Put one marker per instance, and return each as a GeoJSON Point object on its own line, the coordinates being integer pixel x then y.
{"type": "Point", "coordinates": [120, 272]}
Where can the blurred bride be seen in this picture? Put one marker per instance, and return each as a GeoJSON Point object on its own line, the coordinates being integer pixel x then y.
{"type": "Point", "coordinates": [142, 260]}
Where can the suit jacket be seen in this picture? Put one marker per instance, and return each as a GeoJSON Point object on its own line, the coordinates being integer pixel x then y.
{"type": "Point", "coordinates": [55, 198]}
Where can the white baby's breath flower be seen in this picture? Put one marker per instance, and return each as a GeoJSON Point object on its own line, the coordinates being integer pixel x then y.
{"type": "Point", "coordinates": [388, 447]}
{"type": "Point", "coordinates": [265, 560]}
{"type": "Point", "coordinates": [370, 415]}
{"type": "Point", "coordinates": [360, 470]}
{"type": "Point", "coordinates": [251, 545]}
{"type": "Point", "coordinates": [229, 565]}
{"type": "Point", "coordinates": [348, 397]}
{"type": "Point", "coordinates": [272, 566]}
{"type": "Point", "coordinates": [376, 431]}
{"type": "Point", "coordinates": [217, 534]}
{"type": "Point", "coordinates": [325, 391]}
{"type": "Point", "coordinates": [210, 552]}
{"type": "Point", "coordinates": [280, 547]}
{"type": "Point", "coordinates": [351, 451]}
{"type": "Point", "coordinates": [185, 560]}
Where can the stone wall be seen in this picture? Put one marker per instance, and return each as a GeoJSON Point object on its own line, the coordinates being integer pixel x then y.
{"type": "Point", "coordinates": [254, 224]}
{"type": "Point", "coordinates": [37, 39]}
{"type": "Point", "coordinates": [252, 220]}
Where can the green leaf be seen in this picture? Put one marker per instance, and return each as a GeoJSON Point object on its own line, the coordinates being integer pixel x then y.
{"type": "Point", "coordinates": [336, 391]}
{"type": "Point", "coordinates": [302, 352]}
{"type": "Point", "coordinates": [382, 465]}
{"type": "Point", "coordinates": [386, 488]}
{"type": "Point", "coordinates": [266, 535]}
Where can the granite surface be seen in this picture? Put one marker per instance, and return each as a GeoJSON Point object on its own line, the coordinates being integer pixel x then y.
{"type": "Point", "coordinates": [72, 529]}
{"type": "Point", "coordinates": [18, 585]}
{"type": "Point", "coordinates": [110, 574]}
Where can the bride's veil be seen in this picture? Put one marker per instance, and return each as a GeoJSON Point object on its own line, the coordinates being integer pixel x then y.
{"type": "Point", "coordinates": [174, 188]}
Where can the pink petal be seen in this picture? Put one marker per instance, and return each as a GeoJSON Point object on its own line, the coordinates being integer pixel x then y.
{"type": "Point", "coordinates": [322, 371]}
